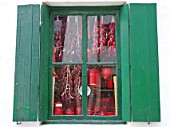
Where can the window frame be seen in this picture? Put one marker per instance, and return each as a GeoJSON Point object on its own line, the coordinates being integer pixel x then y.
{"type": "Point", "coordinates": [84, 12]}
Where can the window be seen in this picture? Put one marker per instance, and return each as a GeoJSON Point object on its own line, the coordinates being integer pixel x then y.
{"type": "Point", "coordinates": [84, 62]}
{"type": "Point", "coordinates": [93, 64]}
{"type": "Point", "coordinates": [98, 66]}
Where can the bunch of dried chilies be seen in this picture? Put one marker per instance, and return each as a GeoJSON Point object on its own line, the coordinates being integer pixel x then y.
{"type": "Point", "coordinates": [67, 79]}
{"type": "Point", "coordinates": [101, 40]}
{"type": "Point", "coordinates": [67, 39]}
{"type": "Point", "coordinates": [66, 91]}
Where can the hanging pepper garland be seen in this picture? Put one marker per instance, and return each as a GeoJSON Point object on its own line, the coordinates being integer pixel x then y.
{"type": "Point", "coordinates": [67, 48]}
{"type": "Point", "coordinates": [101, 48]}
{"type": "Point", "coordinates": [111, 42]}
{"type": "Point", "coordinates": [104, 45]}
{"type": "Point", "coordinates": [67, 44]}
{"type": "Point", "coordinates": [58, 40]}
{"type": "Point", "coordinates": [67, 87]}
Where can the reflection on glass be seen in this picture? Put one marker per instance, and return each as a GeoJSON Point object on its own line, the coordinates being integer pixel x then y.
{"type": "Point", "coordinates": [102, 82]}
{"type": "Point", "coordinates": [67, 39]}
{"type": "Point", "coordinates": [67, 81]}
{"type": "Point", "coordinates": [101, 39]}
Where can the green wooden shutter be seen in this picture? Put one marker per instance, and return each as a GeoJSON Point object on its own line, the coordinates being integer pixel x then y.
{"type": "Point", "coordinates": [27, 64]}
{"type": "Point", "coordinates": [125, 67]}
{"type": "Point", "coordinates": [144, 63]}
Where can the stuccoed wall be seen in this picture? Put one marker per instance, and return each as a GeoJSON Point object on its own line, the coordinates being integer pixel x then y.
{"type": "Point", "coordinates": [8, 21]}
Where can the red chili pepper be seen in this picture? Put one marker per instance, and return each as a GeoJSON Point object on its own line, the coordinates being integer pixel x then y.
{"type": "Point", "coordinates": [54, 73]}
{"type": "Point", "coordinates": [112, 25]}
{"type": "Point", "coordinates": [59, 38]}
{"type": "Point", "coordinates": [89, 54]}
{"type": "Point", "coordinates": [109, 34]}
{"type": "Point", "coordinates": [98, 36]}
{"type": "Point", "coordinates": [110, 50]}
{"type": "Point", "coordinates": [98, 51]}
{"type": "Point", "coordinates": [114, 51]}
{"type": "Point", "coordinates": [54, 50]}
{"type": "Point", "coordinates": [56, 77]}
{"type": "Point", "coordinates": [54, 58]}
{"type": "Point", "coordinates": [79, 67]}
{"type": "Point", "coordinates": [114, 44]}
{"type": "Point", "coordinates": [109, 43]}
{"type": "Point", "coordinates": [54, 54]}
{"type": "Point", "coordinates": [103, 32]}
{"type": "Point", "coordinates": [104, 41]}
{"type": "Point", "coordinates": [113, 37]}
{"type": "Point", "coordinates": [104, 27]}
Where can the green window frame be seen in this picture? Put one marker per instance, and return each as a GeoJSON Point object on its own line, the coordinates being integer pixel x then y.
{"type": "Point", "coordinates": [84, 12]}
{"type": "Point", "coordinates": [137, 63]}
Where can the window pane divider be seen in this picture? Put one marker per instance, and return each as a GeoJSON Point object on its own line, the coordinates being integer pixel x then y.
{"type": "Point", "coordinates": [67, 63]}
{"type": "Point", "coordinates": [102, 63]}
{"type": "Point", "coordinates": [84, 67]}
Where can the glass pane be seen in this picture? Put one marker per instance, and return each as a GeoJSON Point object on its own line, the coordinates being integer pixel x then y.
{"type": "Point", "coordinates": [103, 87]}
{"type": "Point", "coordinates": [67, 39]}
{"type": "Point", "coordinates": [101, 39]}
{"type": "Point", "coordinates": [67, 82]}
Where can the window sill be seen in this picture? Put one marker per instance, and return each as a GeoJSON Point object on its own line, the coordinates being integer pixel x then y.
{"type": "Point", "coordinates": [83, 122]}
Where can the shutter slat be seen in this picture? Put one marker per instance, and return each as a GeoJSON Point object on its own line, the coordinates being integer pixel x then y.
{"type": "Point", "coordinates": [24, 108]}
{"type": "Point", "coordinates": [21, 82]}
{"type": "Point", "coordinates": [125, 67]}
{"type": "Point", "coordinates": [27, 42]}
{"type": "Point", "coordinates": [17, 64]}
{"type": "Point", "coordinates": [144, 63]}
{"type": "Point", "coordinates": [35, 60]}
{"type": "Point", "coordinates": [153, 66]}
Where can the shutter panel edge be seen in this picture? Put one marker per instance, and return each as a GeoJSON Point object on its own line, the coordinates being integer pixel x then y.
{"type": "Point", "coordinates": [125, 63]}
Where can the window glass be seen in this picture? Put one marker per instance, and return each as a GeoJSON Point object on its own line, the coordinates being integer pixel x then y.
{"type": "Point", "coordinates": [67, 39]}
{"type": "Point", "coordinates": [102, 81]}
{"type": "Point", "coordinates": [101, 39]}
{"type": "Point", "coordinates": [67, 81]}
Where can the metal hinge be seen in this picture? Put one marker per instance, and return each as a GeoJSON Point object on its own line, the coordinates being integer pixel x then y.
{"type": "Point", "coordinates": [18, 123]}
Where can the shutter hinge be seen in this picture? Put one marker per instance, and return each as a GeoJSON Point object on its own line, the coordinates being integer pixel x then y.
{"type": "Point", "coordinates": [18, 122]}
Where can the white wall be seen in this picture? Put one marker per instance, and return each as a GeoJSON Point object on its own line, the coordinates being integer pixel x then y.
{"type": "Point", "coordinates": [8, 21]}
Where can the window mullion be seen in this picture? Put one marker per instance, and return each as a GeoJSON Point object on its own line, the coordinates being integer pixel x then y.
{"type": "Point", "coordinates": [84, 66]}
